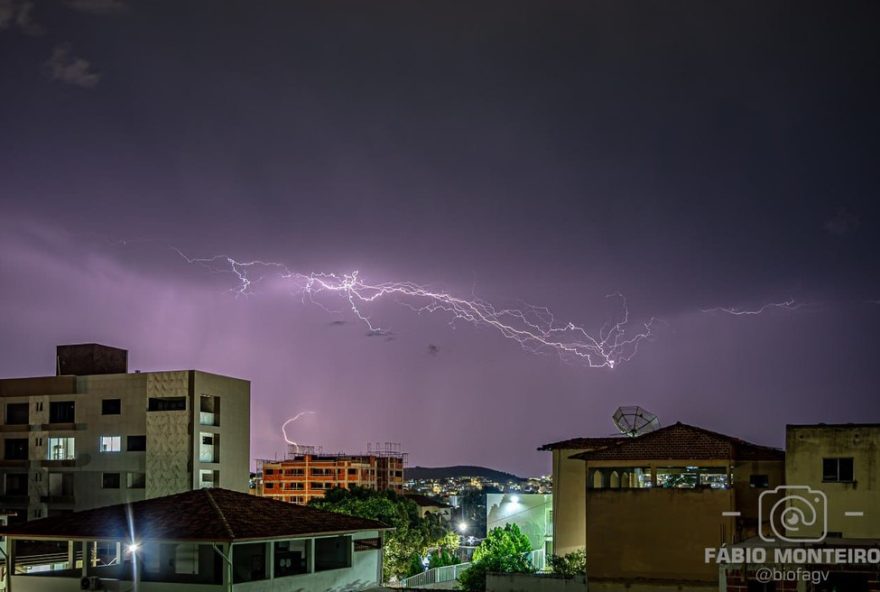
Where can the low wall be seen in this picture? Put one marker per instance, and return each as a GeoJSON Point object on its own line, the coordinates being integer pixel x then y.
{"type": "Point", "coordinates": [649, 586]}
{"type": "Point", "coordinates": [534, 583]}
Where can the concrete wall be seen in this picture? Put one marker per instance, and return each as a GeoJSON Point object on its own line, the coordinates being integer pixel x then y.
{"type": "Point", "coordinates": [508, 582]}
{"type": "Point", "coordinates": [806, 446]}
{"type": "Point", "coordinates": [169, 436]}
{"type": "Point", "coordinates": [569, 486]}
{"type": "Point", "coordinates": [651, 586]}
{"type": "Point", "coordinates": [655, 533]}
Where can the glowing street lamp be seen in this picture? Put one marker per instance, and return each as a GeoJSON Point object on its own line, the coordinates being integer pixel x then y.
{"type": "Point", "coordinates": [462, 527]}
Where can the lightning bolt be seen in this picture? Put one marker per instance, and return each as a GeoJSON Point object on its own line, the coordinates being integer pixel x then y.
{"type": "Point", "coordinates": [789, 304]}
{"type": "Point", "coordinates": [534, 328]}
{"type": "Point", "coordinates": [290, 421]}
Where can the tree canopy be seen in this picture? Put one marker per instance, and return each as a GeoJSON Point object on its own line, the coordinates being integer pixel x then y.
{"type": "Point", "coordinates": [412, 536]}
{"type": "Point", "coordinates": [505, 550]}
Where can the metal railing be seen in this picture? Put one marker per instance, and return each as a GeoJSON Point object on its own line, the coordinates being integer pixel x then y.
{"type": "Point", "coordinates": [450, 573]}
{"type": "Point", "coordinates": [435, 575]}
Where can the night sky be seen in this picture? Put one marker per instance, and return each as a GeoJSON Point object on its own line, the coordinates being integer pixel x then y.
{"type": "Point", "coordinates": [689, 155]}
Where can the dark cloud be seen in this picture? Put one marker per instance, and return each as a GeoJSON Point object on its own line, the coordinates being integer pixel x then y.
{"type": "Point", "coordinates": [69, 69]}
{"type": "Point", "coordinates": [98, 6]}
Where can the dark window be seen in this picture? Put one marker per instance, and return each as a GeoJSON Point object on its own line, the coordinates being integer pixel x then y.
{"type": "Point", "coordinates": [291, 558]}
{"type": "Point", "coordinates": [759, 481]}
{"type": "Point", "coordinates": [270, 486]}
{"type": "Point", "coordinates": [755, 586]}
{"type": "Point", "coordinates": [17, 413]}
{"type": "Point", "coordinates": [332, 553]}
{"type": "Point", "coordinates": [137, 480]}
{"type": "Point", "coordinates": [16, 449]}
{"type": "Point", "coordinates": [837, 470]}
{"type": "Point", "coordinates": [167, 404]}
{"type": "Point", "coordinates": [110, 480]}
{"type": "Point", "coordinates": [352, 471]}
{"type": "Point", "coordinates": [111, 407]}
{"type": "Point", "coordinates": [16, 484]}
{"type": "Point", "coordinates": [62, 412]}
{"type": "Point", "coordinates": [137, 443]}
{"type": "Point", "coordinates": [249, 562]}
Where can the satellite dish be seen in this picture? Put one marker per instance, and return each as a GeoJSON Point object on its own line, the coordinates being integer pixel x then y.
{"type": "Point", "coordinates": [634, 421]}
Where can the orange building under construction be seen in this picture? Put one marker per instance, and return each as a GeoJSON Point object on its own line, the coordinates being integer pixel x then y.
{"type": "Point", "coordinates": [307, 474]}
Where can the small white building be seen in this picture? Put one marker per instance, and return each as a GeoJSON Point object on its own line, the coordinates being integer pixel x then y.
{"type": "Point", "coordinates": [531, 512]}
{"type": "Point", "coordinates": [199, 541]}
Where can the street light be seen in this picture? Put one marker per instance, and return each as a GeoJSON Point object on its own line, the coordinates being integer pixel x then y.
{"type": "Point", "coordinates": [462, 527]}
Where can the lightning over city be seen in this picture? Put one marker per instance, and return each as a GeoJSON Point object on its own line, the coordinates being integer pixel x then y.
{"type": "Point", "coordinates": [534, 328]}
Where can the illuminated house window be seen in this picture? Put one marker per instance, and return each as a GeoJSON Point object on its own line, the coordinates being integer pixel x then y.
{"type": "Point", "coordinates": [62, 448]}
{"type": "Point", "coordinates": [111, 444]}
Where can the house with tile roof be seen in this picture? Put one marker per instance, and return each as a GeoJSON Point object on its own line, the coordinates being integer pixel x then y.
{"type": "Point", "coordinates": [197, 541]}
{"type": "Point", "coordinates": [653, 503]}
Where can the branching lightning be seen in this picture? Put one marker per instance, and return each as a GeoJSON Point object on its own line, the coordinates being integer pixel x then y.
{"type": "Point", "coordinates": [534, 328]}
{"type": "Point", "coordinates": [789, 304]}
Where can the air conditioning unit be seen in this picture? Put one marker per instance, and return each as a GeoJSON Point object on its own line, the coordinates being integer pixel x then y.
{"type": "Point", "coordinates": [91, 583]}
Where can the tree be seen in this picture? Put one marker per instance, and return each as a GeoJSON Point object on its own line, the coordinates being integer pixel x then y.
{"type": "Point", "coordinates": [412, 536]}
{"type": "Point", "coordinates": [569, 565]}
{"type": "Point", "coordinates": [505, 550]}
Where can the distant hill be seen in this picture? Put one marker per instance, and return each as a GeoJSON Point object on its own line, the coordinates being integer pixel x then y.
{"type": "Point", "coordinates": [459, 471]}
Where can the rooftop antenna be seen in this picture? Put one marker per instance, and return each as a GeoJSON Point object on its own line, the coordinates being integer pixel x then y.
{"type": "Point", "coordinates": [634, 421]}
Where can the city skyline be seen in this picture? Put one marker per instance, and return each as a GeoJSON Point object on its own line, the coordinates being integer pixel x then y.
{"type": "Point", "coordinates": [515, 159]}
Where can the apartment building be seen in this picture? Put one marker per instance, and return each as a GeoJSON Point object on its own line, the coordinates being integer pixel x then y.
{"type": "Point", "coordinates": [306, 476]}
{"type": "Point", "coordinates": [95, 434]}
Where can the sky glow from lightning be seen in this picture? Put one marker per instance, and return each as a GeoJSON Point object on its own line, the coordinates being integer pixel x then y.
{"type": "Point", "coordinates": [534, 328]}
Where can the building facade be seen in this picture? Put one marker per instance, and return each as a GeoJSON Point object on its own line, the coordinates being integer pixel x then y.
{"type": "Point", "coordinates": [569, 488]}
{"type": "Point", "coordinates": [303, 477]}
{"type": "Point", "coordinates": [832, 474]}
{"type": "Point", "coordinates": [843, 462]}
{"type": "Point", "coordinates": [95, 434]}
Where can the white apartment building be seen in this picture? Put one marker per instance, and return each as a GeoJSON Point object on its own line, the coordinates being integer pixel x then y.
{"type": "Point", "coordinates": [95, 435]}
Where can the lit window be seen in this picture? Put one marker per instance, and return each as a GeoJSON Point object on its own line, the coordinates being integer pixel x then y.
{"type": "Point", "coordinates": [62, 449]}
{"type": "Point", "coordinates": [111, 443]}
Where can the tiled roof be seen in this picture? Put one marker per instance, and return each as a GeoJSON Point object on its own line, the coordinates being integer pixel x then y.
{"type": "Point", "coordinates": [582, 443]}
{"type": "Point", "coordinates": [426, 502]}
{"type": "Point", "coordinates": [681, 441]}
{"type": "Point", "coordinates": [201, 515]}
